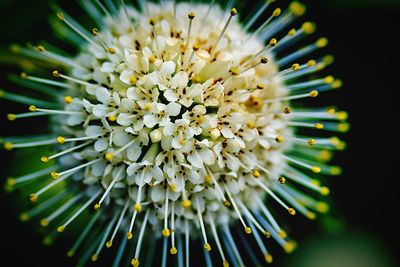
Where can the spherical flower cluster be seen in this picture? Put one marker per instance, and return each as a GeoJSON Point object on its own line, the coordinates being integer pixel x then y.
{"type": "Point", "coordinates": [176, 120]}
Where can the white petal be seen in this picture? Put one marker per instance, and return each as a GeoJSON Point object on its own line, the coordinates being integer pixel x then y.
{"type": "Point", "coordinates": [167, 68]}
{"type": "Point", "coordinates": [173, 109]}
{"type": "Point", "coordinates": [150, 120]}
{"type": "Point", "coordinates": [103, 95]}
{"type": "Point", "coordinates": [101, 145]}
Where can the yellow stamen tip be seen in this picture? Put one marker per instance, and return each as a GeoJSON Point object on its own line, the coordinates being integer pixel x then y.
{"type": "Point", "coordinates": [208, 179]}
{"type": "Point", "coordinates": [337, 84]}
{"type": "Point", "coordinates": [282, 234]}
{"type": "Point", "coordinates": [264, 60]}
{"type": "Point", "coordinates": [314, 93]}
{"type": "Point", "coordinates": [166, 232]}
{"type": "Point", "coordinates": [322, 207]}
{"type": "Point", "coordinates": [33, 197]}
{"type": "Point", "coordinates": [343, 127]}
{"type": "Point", "coordinates": [97, 206]}
{"type": "Point", "coordinates": [227, 203]}
{"type": "Point", "coordinates": [152, 21]}
{"type": "Point", "coordinates": [295, 66]}
{"type": "Point", "coordinates": [319, 126]}
{"type": "Point", "coordinates": [324, 191]}
{"type": "Point", "coordinates": [111, 50]}
{"type": "Point", "coordinates": [172, 187]}
{"type": "Point", "coordinates": [256, 173]}
{"type": "Point", "coordinates": [56, 73]}
{"type": "Point", "coordinates": [24, 217]}
{"type": "Point", "coordinates": [95, 31]}
{"type": "Point", "coordinates": [267, 234]}
{"type": "Point", "coordinates": [147, 106]}
{"type": "Point", "coordinates": [268, 258]}
{"type": "Point", "coordinates": [342, 115]}
{"type": "Point", "coordinates": [8, 146]}
{"type": "Point", "coordinates": [336, 170]}
{"type": "Point", "coordinates": [311, 63]}
{"type": "Point", "coordinates": [247, 230]}
{"type": "Point", "coordinates": [133, 80]}
{"type": "Point", "coordinates": [276, 12]}
{"type": "Point", "coordinates": [68, 99]}
{"type": "Point", "coordinates": [308, 27]}
{"type": "Point", "coordinates": [191, 15]}
{"type": "Point", "coordinates": [108, 244]}
{"type": "Point", "coordinates": [61, 229]}
{"type": "Point", "coordinates": [316, 169]}
{"type": "Point", "coordinates": [11, 181]}
{"type": "Point", "coordinates": [135, 262]}
{"type": "Point", "coordinates": [40, 48]}
{"type": "Point", "coordinates": [324, 155]}
{"type": "Point", "coordinates": [311, 215]}
{"type": "Point", "coordinates": [225, 264]}
{"type": "Point", "coordinates": [329, 79]}
{"type": "Point", "coordinates": [273, 42]}
{"type": "Point", "coordinates": [234, 12]}
{"type": "Point", "coordinates": [207, 247]}
{"type": "Point", "coordinates": [138, 207]}
{"type": "Point", "coordinates": [54, 175]}
{"type": "Point", "coordinates": [186, 203]}
{"type": "Point", "coordinates": [287, 110]}
{"type": "Point", "coordinates": [260, 86]}
{"type": "Point", "coordinates": [322, 42]}
{"type": "Point", "coordinates": [173, 251]}
{"type": "Point", "coordinates": [197, 79]}
{"type": "Point", "coordinates": [108, 156]}
{"type": "Point", "coordinates": [234, 71]}
{"type": "Point", "coordinates": [24, 75]}
{"type": "Point", "coordinates": [60, 15]}
{"type": "Point", "coordinates": [60, 140]}
{"type": "Point", "coordinates": [70, 253]}
{"type": "Point", "coordinates": [44, 159]}
{"type": "Point", "coordinates": [292, 211]}
{"type": "Point", "coordinates": [129, 235]}
{"type": "Point", "coordinates": [292, 32]}
{"type": "Point", "coordinates": [279, 139]}
{"type": "Point", "coordinates": [297, 8]}
{"type": "Point", "coordinates": [32, 108]}
{"type": "Point", "coordinates": [329, 59]}
{"type": "Point", "coordinates": [311, 142]}
{"type": "Point", "coordinates": [94, 257]}
{"type": "Point", "coordinates": [11, 117]}
{"type": "Point", "coordinates": [44, 222]}
{"type": "Point", "coordinates": [281, 180]}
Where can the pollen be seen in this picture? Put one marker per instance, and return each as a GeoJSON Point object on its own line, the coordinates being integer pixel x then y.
{"type": "Point", "coordinates": [186, 203]}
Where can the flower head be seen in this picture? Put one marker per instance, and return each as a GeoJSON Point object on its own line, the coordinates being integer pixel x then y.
{"type": "Point", "coordinates": [175, 118]}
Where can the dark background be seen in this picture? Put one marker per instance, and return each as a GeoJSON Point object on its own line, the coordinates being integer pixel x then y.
{"type": "Point", "coordinates": [362, 37]}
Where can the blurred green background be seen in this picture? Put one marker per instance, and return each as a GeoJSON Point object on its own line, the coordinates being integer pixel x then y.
{"type": "Point", "coordinates": [361, 229]}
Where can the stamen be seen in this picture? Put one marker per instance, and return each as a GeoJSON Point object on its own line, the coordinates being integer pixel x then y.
{"type": "Point", "coordinates": [246, 228]}
{"type": "Point", "coordinates": [29, 177]}
{"type": "Point", "coordinates": [219, 190]}
{"type": "Point", "coordinates": [44, 81]}
{"type": "Point", "coordinates": [207, 246]}
{"type": "Point", "coordinates": [215, 234]}
{"type": "Point", "coordinates": [260, 243]}
{"type": "Point", "coordinates": [47, 158]}
{"type": "Point", "coordinates": [52, 111]}
{"type": "Point", "coordinates": [26, 100]}
{"type": "Point", "coordinates": [270, 218]}
{"type": "Point", "coordinates": [57, 74]}
{"type": "Point", "coordinates": [315, 169]}
{"type": "Point", "coordinates": [45, 222]}
{"type": "Point", "coordinates": [129, 235]}
{"type": "Point", "coordinates": [257, 14]}
{"type": "Point", "coordinates": [251, 218]}
{"type": "Point", "coordinates": [60, 59]}
{"type": "Point", "coordinates": [232, 14]}
{"type": "Point", "coordinates": [34, 196]}
{"type": "Point", "coordinates": [173, 249]}
{"type": "Point", "coordinates": [191, 16]}
{"type": "Point", "coordinates": [313, 93]}
{"type": "Point", "coordinates": [166, 232]}
{"type": "Point", "coordinates": [110, 186]}
{"type": "Point", "coordinates": [135, 260]}
{"type": "Point", "coordinates": [232, 244]}
{"type": "Point", "coordinates": [275, 14]}
{"type": "Point", "coordinates": [102, 7]}
{"type": "Point", "coordinates": [272, 43]}
{"type": "Point", "coordinates": [187, 238]}
{"type": "Point", "coordinates": [121, 218]}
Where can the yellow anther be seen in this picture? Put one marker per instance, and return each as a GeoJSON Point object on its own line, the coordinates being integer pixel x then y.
{"type": "Point", "coordinates": [191, 15]}
{"type": "Point", "coordinates": [33, 197]}
{"type": "Point", "coordinates": [147, 106]}
{"type": "Point", "coordinates": [166, 232]}
{"type": "Point", "coordinates": [68, 99]}
{"type": "Point", "coordinates": [196, 47]}
{"type": "Point", "coordinates": [311, 63]}
{"type": "Point", "coordinates": [342, 115]}
{"type": "Point", "coordinates": [289, 246]}
{"type": "Point", "coordinates": [267, 234]}
{"type": "Point", "coordinates": [56, 73]}
{"type": "Point", "coordinates": [11, 117]}
{"type": "Point", "coordinates": [260, 86]}
{"type": "Point", "coordinates": [152, 58]}
{"type": "Point", "coordinates": [336, 170]}
{"type": "Point", "coordinates": [256, 173]}
{"type": "Point", "coordinates": [247, 230]}
{"type": "Point", "coordinates": [207, 247]}
{"type": "Point", "coordinates": [94, 257]}
{"type": "Point", "coordinates": [329, 79]}
{"type": "Point", "coordinates": [133, 80]}
{"type": "Point", "coordinates": [343, 127]}
{"type": "Point", "coordinates": [311, 142]}
{"type": "Point", "coordinates": [297, 8]}
{"type": "Point", "coordinates": [234, 12]}
{"type": "Point", "coordinates": [54, 175]}
{"type": "Point", "coordinates": [111, 50]}
{"type": "Point", "coordinates": [324, 191]}
{"type": "Point", "coordinates": [324, 155]}
{"type": "Point", "coordinates": [60, 15]}
{"type": "Point", "coordinates": [44, 222]}
{"type": "Point", "coordinates": [281, 180]}
{"type": "Point", "coordinates": [322, 207]}
{"type": "Point", "coordinates": [225, 264]}
{"type": "Point", "coordinates": [316, 169]}
{"type": "Point", "coordinates": [11, 181]}
{"type": "Point", "coordinates": [108, 244]}
{"type": "Point", "coordinates": [60, 139]}
{"type": "Point", "coordinates": [24, 75]}
{"type": "Point", "coordinates": [329, 59]}
{"type": "Point", "coordinates": [32, 108]}
{"type": "Point", "coordinates": [97, 206]}
{"type": "Point", "coordinates": [8, 146]}
{"type": "Point", "coordinates": [311, 215]}
{"type": "Point", "coordinates": [108, 156]}
{"type": "Point", "coordinates": [173, 251]}
{"type": "Point", "coordinates": [61, 229]}
{"type": "Point", "coordinates": [287, 110]}
{"type": "Point", "coordinates": [227, 203]}
{"type": "Point", "coordinates": [264, 60]}
{"type": "Point", "coordinates": [268, 258]}
{"type": "Point", "coordinates": [295, 66]}
{"type": "Point", "coordinates": [44, 159]}
{"type": "Point", "coordinates": [337, 84]}
{"type": "Point", "coordinates": [292, 32]}
{"type": "Point", "coordinates": [279, 139]}
{"type": "Point", "coordinates": [292, 211]}
{"type": "Point", "coordinates": [135, 262]}
{"type": "Point", "coordinates": [319, 126]}
{"type": "Point", "coordinates": [137, 207]}
{"type": "Point", "coordinates": [112, 118]}
{"type": "Point", "coordinates": [197, 79]}
{"type": "Point", "coordinates": [251, 125]}
{"type": "Point", "coordinates": [282, 234]}
{"type": "Point", "coordinates": [234, 71]}
{"type": "Point", "coordinates": [40, 48]}
{"type": "Point", "coordinates": [70, 253]}
{"type": "Point", "coordinates": [273, 42]}
{"type": "Point", "coordinates": [308, 27]}
{"type": "Point", "coordinates": [276, 12]}
{"type": "Point", "coordinates": [172, 187]}
{"type": "Point", "coordinates": [322, 42]}
{"type": "Point", "coordinates": [186, 203]}
{"type": "Point", "coordinates": [95, 31]}
{"type": "Point", "coordinates": [129, 235]}
{"type": "Point", "coordinates": [315, 182]}
{"type": "Point", "coordinates": [314, 93]}
{"type": "Point", "coordinates": [152, 21]}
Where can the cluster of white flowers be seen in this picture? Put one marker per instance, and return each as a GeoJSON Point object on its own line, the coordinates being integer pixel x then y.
{"type": "Point", "coordinates": [178, 113]}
